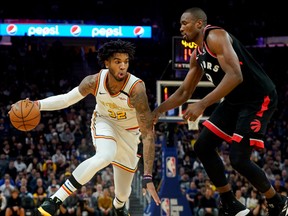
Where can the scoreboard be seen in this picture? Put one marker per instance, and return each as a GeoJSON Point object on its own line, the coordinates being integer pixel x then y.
{"type": "Point", "coordinates": [181, 52]}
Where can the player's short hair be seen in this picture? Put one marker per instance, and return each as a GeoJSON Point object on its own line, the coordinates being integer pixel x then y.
{"type": "Point", "coordinates": [108, 49]}
{"type": "Point", "coordinates": [198, 13]}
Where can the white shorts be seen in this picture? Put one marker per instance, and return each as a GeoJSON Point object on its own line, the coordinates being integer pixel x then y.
{"type": "Point", "coordinates": [127, 142]}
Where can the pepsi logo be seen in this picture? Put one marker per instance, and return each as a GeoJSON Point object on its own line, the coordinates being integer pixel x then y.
{"type": "Point", "coordinates": [75, 30]}
{"type": "Point", "coordinates": [11, 29]}
{"type": "Point", "coordinates": [138, 31]}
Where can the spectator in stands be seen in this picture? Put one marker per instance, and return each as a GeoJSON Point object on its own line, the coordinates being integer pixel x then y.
{"type": "Point", "coordinates": [105, 203]}
{"type": "Point", "coordinates": [34, 164]}
{"type": "Point", "coordinates": [99, 191]}
{"type": "Point", "coordinates": [39, 183]}
{"type": "Point", "coordinates": [239, 197]}
{"type": "Point", "coordinates": [52, 189]}
{"type": "Point", "coordinates": [14, 206]}
{"type": "Point", "coordinates": [3, 204]}
{"type": "Point", "coordinates": [6, 150]}
{"type": "Point", "coordinates": [48, 167]}
{"type": "Point", "coordinates": [191, 194]}
{"type": "Point", "coordinates": [58, 157]}
{"type": "Point", "coordinates": [21, 180]}
{"type": "Point", "coordinates": [27, 201]}
{"type": "Point", "coordinates": [67, 138]}
{"type": "Point", "coordinates": [39, 196]}
{"type": "Point", "coordinates": [7, 187]}
{"type": "Point", "coordinates": [3, 164]}
{"type": "Point", "coordinates": [208, 204]}
{"type": "Point", "coordinates": [89, 204]}
{"type": "Point", "coordinates": [252, 201]}
{"type": "Point", "coordinates": [61, 124]}
{"type": "Point", "coordinates": [11, 170]}
{"type": "Point", "coordinates": [7, 176]}
{"type": "Point", "coordinates": [112, 190]}
{"type": "Point", "coordinates": [70, 205]}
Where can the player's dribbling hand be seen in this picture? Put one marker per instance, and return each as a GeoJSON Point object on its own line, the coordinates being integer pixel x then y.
{"type": "Point", "coordinates": [147, 185]}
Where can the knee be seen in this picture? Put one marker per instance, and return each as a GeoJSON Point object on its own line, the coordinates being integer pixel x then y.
{"type": "Point", "coordinates": [122, 195]}
{"type": "Point", "coordinates": [106, 156]}
{"type": "Point", "coordinates": [237, 162]}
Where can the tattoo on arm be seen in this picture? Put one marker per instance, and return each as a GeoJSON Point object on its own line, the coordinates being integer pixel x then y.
{"type": "Point", "coordinates": [140, 101]}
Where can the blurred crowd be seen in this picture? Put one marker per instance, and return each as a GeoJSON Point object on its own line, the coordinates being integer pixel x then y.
{"type": "Point", "coordinates": [34, 164]}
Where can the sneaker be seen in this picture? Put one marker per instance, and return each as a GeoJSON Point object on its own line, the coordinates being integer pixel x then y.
{"type": "Point", "coordinates": [121, 212]}
{"type": "Point", "coordinates": [49, 207]}
{"type": "Point", "coordinates": [235, 208]}
{"type": "Point", "coordinates": [280, 210]}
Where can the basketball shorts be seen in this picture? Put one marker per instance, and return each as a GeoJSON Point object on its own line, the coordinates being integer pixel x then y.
{"type": "Point", "coordinates": [232, 122]}
{"type": "Point", "coordinates": [127, 142]}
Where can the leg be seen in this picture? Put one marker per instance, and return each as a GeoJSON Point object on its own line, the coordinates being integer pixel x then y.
{"type": "Point", "coordinates": [122, 180]}
{"type": "Point", "coordinates": [206, 149]}
{"type": "Point", "coordinates": [106, 151]}
{"type": "Point", "coordinates": [240, 154]}
{"type": "Point", "coordinates": [8, 211]}
{"type": "Point", "coordinates": [217, 129]}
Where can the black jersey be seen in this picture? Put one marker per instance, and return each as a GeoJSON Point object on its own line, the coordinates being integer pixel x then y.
{"type": "Point", "coordinates": [256, 83]}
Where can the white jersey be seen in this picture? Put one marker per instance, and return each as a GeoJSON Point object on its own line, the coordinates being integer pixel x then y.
{"type": "Point", "coordinates": [117, 107]}
{"type": "Point", "coordinates": [115, 118]}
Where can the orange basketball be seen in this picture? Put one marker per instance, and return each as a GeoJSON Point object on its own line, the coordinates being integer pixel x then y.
{"type": "Point", "coordinates": [25, 115]}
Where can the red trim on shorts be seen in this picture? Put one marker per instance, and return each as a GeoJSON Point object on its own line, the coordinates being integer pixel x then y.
{"type": "Point", "coordinates": [264, 106]}
{"type": "Point", "coordinates": [257, 143]}
{"type": "Point", "coordinates": [217, 131]}
{"type": "Point", "coordinates": [237, 138]}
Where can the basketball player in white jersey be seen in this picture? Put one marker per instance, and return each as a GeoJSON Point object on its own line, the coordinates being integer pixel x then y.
{"type": "Point", "coordinates": [121, 112]}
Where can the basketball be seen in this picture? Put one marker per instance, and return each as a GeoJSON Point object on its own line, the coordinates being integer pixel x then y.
{"type": "Point", "coordinates": [25, 115]}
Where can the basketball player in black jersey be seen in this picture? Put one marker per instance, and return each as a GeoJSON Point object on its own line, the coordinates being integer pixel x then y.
{"type": "Point", "coordinates": [240, 119]}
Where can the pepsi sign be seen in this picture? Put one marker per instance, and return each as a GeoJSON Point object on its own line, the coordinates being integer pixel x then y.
{"type": "Point", "coordinates": [70, 30]}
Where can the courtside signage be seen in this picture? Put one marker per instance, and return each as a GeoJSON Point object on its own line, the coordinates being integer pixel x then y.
{"type": "Point", "coordinates": [70, 30]}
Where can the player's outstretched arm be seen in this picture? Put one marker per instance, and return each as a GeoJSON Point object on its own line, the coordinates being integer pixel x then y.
{"type": "Point", "coordinates": [62, 101]}
{"type": "Point", "coordinates": [144, 116]}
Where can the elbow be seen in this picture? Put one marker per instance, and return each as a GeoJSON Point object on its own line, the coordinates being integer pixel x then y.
{"type": "Point", "coordinates": [185, 96]}
{"type": "Point", "coordinates": [238, 78]}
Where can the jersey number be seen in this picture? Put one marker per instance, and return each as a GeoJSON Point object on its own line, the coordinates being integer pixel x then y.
{"type": "Point", "coordinates": [117, 115]}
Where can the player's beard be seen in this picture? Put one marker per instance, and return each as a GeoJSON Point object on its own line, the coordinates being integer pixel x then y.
{"type": "Point", "coordinates": [119, 79]}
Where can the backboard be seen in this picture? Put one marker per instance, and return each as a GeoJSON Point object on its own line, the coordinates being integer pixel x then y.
{"type": "Point", "coordinates": [165, 88]}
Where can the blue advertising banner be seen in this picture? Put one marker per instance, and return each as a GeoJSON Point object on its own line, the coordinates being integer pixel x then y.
{"type": "Point", "coordinates": [72, 30]}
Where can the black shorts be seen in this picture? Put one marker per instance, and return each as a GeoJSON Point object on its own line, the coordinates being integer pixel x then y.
{"type": "Point", "coordinates": [232, 122]}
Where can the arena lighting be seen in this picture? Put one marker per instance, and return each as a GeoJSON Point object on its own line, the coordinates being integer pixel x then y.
{"type": "Point", "coordinates": [74, 30]}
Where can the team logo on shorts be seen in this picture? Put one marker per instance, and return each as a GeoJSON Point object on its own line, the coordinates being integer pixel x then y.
{"type": "Point", "coordinates": [170, 167]}
{"type": "Point", "coordinates": [165, 207]}
{"type": "Point", "coordinates": [255, 125]}
{"type": "Point", "coordinates": [11, 29]}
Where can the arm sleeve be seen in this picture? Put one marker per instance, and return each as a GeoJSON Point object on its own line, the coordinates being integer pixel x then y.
{"type": "Point", "coordinates": [62, 101]}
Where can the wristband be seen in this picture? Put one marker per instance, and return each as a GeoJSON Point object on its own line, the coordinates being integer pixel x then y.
{"type": "Point", "coordinates": [145, 180]}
